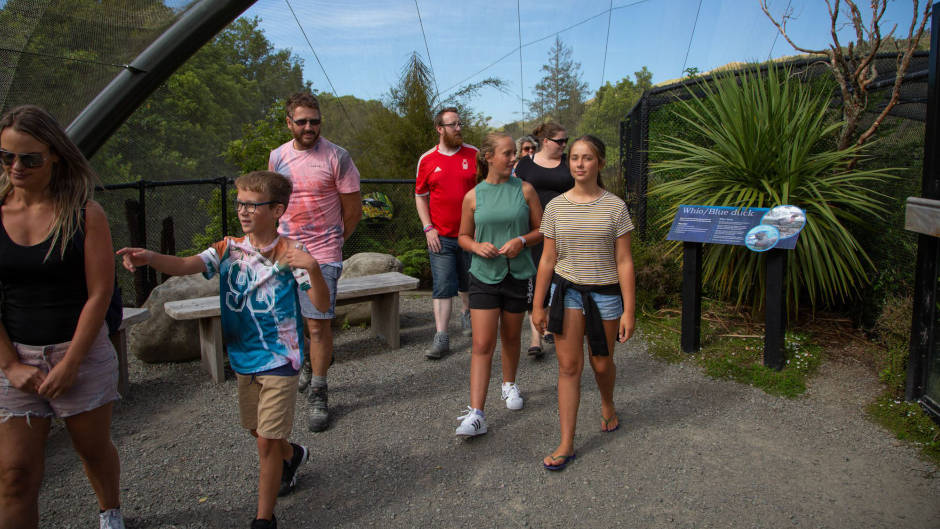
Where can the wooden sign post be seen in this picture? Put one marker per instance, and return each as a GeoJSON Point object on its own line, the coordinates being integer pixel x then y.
{"type": "Point", "coordinates": [760, 230]}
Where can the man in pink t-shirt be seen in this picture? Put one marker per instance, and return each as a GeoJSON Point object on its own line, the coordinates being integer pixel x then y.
{"type": "Point", "coordinates": [445, 174]}
{"type": "Point", "coordinates": [324, 208]}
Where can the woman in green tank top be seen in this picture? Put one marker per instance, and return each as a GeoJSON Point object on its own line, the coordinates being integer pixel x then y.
{"type": "Point", "coordinates": [499, 220]}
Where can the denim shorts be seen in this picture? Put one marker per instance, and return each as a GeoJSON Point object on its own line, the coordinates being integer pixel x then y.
{"type": "Point", "coordinates": [95, 385]}
{"type": "Point", "coordinates": [609, 305]}
{"type": "Point", "coordinates": [450, 269]}
{"type": "Point", "coordinates": [331, 273]}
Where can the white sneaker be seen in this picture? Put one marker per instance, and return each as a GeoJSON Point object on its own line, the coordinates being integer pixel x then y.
{"type": "Point", "coordinates": [111, 519]}
{"type": "Point", "coordinates": [511, 396]}
{"type": "Point", "coordinates": [471, 423]}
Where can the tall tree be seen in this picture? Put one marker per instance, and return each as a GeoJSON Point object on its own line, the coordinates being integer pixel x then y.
{"type": "Point", "coordinates": [560, 94]}
{"type": "Point", "coordinates": [603, 113]}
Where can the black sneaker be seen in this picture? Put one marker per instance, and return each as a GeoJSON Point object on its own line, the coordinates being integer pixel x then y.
{"type": "Point", "coordinates": [260, 523]}
{"type": "Point", "coordinates": [289, 474]}
{"type": "Point", "coordinates": [319, 417]}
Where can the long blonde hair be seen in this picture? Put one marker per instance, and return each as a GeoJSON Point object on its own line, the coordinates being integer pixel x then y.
{"type": "Point", "coordinates": [73, 180]}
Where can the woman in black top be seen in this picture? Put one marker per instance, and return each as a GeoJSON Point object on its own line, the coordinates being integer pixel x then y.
{"type": "Point", "coordinates": [548, 173]}
{"type": "Point", "coordinates": [57, 276]}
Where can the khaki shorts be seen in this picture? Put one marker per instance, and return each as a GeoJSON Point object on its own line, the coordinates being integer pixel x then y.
{"type": "Point", "coordinates": [266, 404]}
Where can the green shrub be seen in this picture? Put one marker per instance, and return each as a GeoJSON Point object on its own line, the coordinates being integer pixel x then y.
{"type": "Point", "coordinates": [213, 230]}
{"type": "Point", "coordinates": [893, 332]}
{"type": "Point", "coordinates": [658, 275]}
{"type": "Point", "coordinates": [416, 264]}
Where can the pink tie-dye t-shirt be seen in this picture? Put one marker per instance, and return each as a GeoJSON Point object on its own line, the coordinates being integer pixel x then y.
{"type": "Point", "coordinates": [319, 175]}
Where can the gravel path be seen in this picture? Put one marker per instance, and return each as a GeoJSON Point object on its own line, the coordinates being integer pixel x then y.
{"type": "Point", "coordinates": [691, 451]}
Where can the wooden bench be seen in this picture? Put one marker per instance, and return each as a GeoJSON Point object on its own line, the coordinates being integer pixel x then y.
{"type": "Point", "coordinates": [119, 339]}
{"type": "Point", "coordinates": [380, 289]}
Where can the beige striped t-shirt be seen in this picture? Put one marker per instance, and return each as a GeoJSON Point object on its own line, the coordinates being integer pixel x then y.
{"type": "Point", "coordinates": [585, 237]}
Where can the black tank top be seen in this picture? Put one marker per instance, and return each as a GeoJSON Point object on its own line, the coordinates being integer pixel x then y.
{"type": "Point", "coordinates": [41, 300]}
{"type": "Point", "coordinates": [548, 183]}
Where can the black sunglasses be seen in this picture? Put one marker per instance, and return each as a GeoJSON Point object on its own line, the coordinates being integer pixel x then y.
{"type": "Point", "coordinates": [559, 141]}
{"type": "Point", "coordinates": [303, 122]}
{"type": "Point", "coordinates": [251, 207]}
{"type": "Point", "coordinates": [30, 160]}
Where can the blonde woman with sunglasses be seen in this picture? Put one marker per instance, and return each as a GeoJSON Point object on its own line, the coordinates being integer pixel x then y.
{"type": "Point", "coordinates": [57, 277]}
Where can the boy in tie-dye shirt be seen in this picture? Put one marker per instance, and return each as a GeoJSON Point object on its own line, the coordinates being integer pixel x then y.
{"type": "Point", "coordinates": [260, 276]}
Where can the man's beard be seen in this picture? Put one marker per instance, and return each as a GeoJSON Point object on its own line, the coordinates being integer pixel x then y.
{"type": "Point", "coordinates": [299, 138]}
{"type": "Point", "coordinates": [452, 140]}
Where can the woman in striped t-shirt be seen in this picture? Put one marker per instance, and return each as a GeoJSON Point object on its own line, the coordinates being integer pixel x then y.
{"type": "Point", "coordinates": [586, 258]}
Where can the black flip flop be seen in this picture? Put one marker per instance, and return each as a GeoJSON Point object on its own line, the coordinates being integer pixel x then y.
{"type": "Point", "coordinates": [536, 351]}
{"type": "Point", "coordinates": [559, 466]}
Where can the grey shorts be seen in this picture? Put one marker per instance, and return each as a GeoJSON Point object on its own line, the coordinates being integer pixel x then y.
{"type": "Point", "coordinates": [95, 385]}
{"type": "Point", "coordinates": [331, 273]}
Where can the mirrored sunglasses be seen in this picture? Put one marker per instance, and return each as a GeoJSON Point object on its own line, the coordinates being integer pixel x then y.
{"type": "Point", "coordinates": [30, 160]}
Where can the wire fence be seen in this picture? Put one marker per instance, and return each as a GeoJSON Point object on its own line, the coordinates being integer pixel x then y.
{"type": "Point", "coordinates": [182, 217]}
{"type": "Point", "coordinates": [900, 142]}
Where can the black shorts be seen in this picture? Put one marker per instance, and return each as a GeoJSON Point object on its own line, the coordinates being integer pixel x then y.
{"type": "Point", "coordinates": [510, 294]}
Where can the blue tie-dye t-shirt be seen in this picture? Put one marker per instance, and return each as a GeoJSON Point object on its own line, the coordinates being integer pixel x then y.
{"type": "Point", "coordinates": [261, 322]}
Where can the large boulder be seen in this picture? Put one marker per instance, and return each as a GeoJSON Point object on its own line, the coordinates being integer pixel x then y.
{"type": "Point", "coordinates": [163, 339]}
{"type": "Point", "coordinates": [358, 265]}
{"type": "Point", "coordinates": [369, 263]}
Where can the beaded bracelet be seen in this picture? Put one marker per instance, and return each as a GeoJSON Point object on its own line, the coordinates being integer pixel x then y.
{"type": "Point", "coordinates": [428, 228]}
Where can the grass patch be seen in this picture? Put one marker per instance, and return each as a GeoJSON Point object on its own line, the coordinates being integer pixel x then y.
{"type": "Point", "coordinates": [732, 346]}
{"type": "Point", "coordinates": [906, 420]}
{"type": "Point", "coordinates": [909, 422]}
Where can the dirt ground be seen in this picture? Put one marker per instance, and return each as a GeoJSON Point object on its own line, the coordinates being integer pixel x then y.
{"type": "Point", "coordinates": [691, 451]}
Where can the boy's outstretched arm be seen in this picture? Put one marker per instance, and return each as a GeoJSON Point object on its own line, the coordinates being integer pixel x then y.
{"type": "Point", "coordinates": [166, 264]}
{"type": "Point", "coordinates": [297, 257]}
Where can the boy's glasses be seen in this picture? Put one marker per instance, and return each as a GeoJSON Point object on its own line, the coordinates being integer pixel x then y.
{"type": "Point", "coordinates": [30, 160]}
{"type": "Point", "coordinates": [251, 207]}
{"type": "Point", "coordinates": [303, 122]}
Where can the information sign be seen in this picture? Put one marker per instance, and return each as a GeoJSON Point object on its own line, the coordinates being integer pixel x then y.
{"type": "Point", "coordinates": [739, 226]}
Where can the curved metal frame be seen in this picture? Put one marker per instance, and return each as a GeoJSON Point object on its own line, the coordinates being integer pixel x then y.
{"type": "Point", "coordinates": [128, 90]}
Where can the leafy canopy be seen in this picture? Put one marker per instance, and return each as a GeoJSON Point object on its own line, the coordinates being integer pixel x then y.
{"type": "Point", "coordinates": [560, 94]}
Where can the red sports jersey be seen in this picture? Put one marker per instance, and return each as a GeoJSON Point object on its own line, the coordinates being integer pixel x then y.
{"type": "Point", "coordinates": [446, 179]}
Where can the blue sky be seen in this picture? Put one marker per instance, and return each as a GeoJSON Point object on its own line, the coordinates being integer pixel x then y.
{"type": "Point", "coordinates": [364, 44]}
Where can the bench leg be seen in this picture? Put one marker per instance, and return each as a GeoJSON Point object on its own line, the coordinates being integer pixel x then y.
{"type": "Point", "coordinates": [385, 320]}
{"type": "Point", "coordinates": [119, 340]}
{"type": "Point", "coordinates": [210, 344]}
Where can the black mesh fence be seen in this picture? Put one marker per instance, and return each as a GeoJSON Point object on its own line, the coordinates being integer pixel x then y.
{"type": "Point", "coordinates": [899, 144]}
{"type": "Point", "coordinates": [183, 217]}
{"type": "Point", "coordinates": [60, 53]}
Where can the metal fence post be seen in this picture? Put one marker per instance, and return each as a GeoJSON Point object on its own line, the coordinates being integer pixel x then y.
{"type": "Point", "coordinates": [223, 186]}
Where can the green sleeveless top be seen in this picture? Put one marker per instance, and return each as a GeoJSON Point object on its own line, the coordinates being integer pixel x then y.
{"type": "Point", "coordinates": [501, 214]}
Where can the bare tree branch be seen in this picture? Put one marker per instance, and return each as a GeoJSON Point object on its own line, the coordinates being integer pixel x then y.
{"type": "Point", "coordinates": [904, 60]}
{"type": "Point", "coordinates": [782, 28]}
{"type": "Point", "coordinates": [853, 66]}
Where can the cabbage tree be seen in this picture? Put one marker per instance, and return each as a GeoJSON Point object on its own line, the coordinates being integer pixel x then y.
{"type": "Point", "coordinates": [760, 139]}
